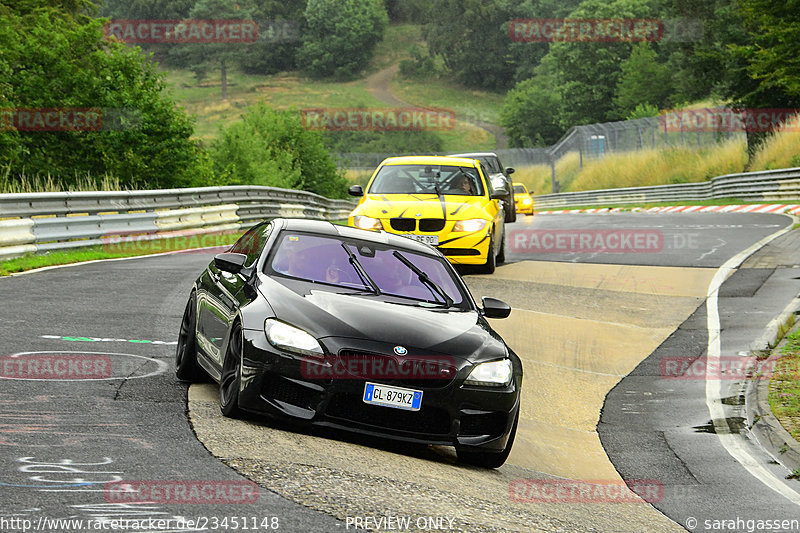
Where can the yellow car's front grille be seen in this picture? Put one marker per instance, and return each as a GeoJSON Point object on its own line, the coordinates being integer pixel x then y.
{"type": "Point", "coordinates": [410, 224]}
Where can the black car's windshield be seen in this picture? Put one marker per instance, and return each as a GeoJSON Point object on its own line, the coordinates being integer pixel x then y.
{"type": "Point", "coordinates": [431, 179]}
{"type": "Point", "coordinates": [323, 259]}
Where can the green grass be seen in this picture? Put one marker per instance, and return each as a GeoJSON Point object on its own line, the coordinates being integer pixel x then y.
{"type": "Point", "coordinates": [784, 387]}
{"type": "Point", "coordinates": [128, 248]}
{"type": "Point", "coordinates": [397, 43]}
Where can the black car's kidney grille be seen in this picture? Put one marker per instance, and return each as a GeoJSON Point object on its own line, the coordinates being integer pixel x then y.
{"type": "Point", "coordinates": [493, 424]}
{"type": "Point", "coordinates": [403, 224]}
{"type": "Point", "coordinates": [428, 420]}
{"type": "Point", "coordinates": [431, 224]}
{"type": "Point", "coordinates": [408, 371]}
{"type": "Point", "coordinates": [283, 390]}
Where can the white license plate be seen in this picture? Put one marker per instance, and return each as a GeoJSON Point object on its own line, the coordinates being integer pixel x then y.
{"type": "Point", "coordinates": [377, 394]}
{"type": "Point", "coordinates": [433, 240]}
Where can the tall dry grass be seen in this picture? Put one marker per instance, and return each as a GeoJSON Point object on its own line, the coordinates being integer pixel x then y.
{"type": "Point", "coordinates": [537, 178]}
{"type": "Point", "coordinates": [27, 183]}
{"type": "Point", "coordinates": [781, 150]}
{"type": "Point", "coordinates": [659, 167]}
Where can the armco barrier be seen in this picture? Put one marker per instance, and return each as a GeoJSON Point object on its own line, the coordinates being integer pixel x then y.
{"type": "Point", "coordinates": [57, 220]}
{"type": "Point", "coordinates": [767, 186]}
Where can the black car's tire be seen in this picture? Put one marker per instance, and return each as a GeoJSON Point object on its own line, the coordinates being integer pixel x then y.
{"type": "Point", "coordinates": [511, 206]}
{"type": "Point", "coordinates": [489, 459]}
{"type": "Point", "coordinates": [231, 378]}
{"type": "Point", "coordinates": [501, 254]}
{"type": "Point", "coordinates": [491, 262]}
{"type": "Point", "coordinates": [186, 367]}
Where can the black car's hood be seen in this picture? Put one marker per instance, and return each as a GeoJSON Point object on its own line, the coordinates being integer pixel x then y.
{"type": "Point", "coordinates": [325, 313]}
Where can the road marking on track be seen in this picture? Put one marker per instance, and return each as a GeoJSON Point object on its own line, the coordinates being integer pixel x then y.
{"type": "Point", "coordinates": [733, 442]}
{"type": "Point", "coordinates": [161, 366]}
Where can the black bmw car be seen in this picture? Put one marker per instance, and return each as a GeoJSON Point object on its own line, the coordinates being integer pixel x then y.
{"type": "Point", "coordinates": [357, 330]}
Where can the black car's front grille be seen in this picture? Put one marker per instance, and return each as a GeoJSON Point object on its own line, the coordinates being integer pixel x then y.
{"type": "Point", "coordinates": [412, 371]}
{"type": "Point", "coordinates": [492, 424]}
{"type": "Point", "coordinates": [459, 251]}
{"type": "Point", "coordinates": [428, 420]}
{"type": "Point", "coordinates": [403, 224]}
{"type": "Point", "coordinates": [281, 389]}
{"type": "Point", "coordinates": [431, 224]}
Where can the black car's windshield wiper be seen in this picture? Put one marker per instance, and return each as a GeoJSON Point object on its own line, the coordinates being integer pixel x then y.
{"type": "Point", "coordinates": [423, 277]}
{"type": "Point", "coordinates": [368, 282]}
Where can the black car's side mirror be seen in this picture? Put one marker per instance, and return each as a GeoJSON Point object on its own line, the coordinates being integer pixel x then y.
{"type": "Point", "coordinates": [230, 262]}
{"type": "Point", "coordinates": [499, 194]}
{"type": "Point", "coordinates": [356, 190]}
{"type": "Point", "coordinates": [494, 308]}
{"type": "Point", "coordinates": [510, 170]}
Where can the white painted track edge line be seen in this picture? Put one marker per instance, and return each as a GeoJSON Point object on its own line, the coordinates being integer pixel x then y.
{"type": "Point", "coordinates": [733, 442]}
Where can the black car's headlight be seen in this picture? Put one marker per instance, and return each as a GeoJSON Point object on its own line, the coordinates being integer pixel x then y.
{"type": "Point", "coordinates": [493, 374]}
{"type": "Point", "coordinates": [291, 339]}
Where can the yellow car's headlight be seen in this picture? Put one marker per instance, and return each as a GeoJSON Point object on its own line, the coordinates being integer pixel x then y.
{"type": "Point", "coordinates": [474, 224]}
{"type": "Point", "coordinates": [527, 201]}
{"type": "Point", "coordinates": [360, 221]}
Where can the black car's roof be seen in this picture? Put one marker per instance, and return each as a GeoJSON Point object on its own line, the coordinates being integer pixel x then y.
{"type": "Point", "coordinates": [475, 154]}
{"type": "Point", "coordinates": [323, 227]}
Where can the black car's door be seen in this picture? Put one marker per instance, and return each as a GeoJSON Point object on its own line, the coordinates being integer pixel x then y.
{"type": "Point", "coordinates": [221, 293]}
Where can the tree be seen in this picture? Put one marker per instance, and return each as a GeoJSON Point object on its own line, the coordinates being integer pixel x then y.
{"type": "Point", "coordinates": [271, 147]}
{"type": "Point", "coordinates": [205, 56]}
{"type": "Point", "coordinates": [280, 26]}
{"type": "Point", "coordinates": [140, 136]}
{"type": "Point", "coordinates": [587, 73]}
{"type": "Point", "coordinates": [341, 36]}
{"type": "Point", "coordinates": [472, 38]}
{"type": "Point", "coordinates": [530, 113]}
{"type": "Point", "coordinates": [774, 51]}
{"type": "Point", "coordinates": [643, 81]}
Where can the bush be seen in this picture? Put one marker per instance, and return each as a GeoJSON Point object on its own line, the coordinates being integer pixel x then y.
{"type": "Point", "coordinates": [141, 135]}
{"type": "Point", "coordinates": [271, 147]}
{"type": "Point", "coordinates": [341, 36]}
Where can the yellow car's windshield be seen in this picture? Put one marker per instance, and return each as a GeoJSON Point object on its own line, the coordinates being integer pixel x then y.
{"type": "Point", "coordinates": [427, 179]}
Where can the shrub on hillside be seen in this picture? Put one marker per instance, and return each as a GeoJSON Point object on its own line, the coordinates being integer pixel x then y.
{"type": "Point", "coordinates": [271, 147]}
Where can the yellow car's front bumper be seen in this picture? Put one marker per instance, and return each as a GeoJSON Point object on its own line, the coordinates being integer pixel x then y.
{"type": "Point", "coordinates": [460, 247]}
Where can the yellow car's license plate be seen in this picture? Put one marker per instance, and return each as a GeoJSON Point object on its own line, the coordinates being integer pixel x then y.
{"type": "Point", "coordinates": [433, 240]}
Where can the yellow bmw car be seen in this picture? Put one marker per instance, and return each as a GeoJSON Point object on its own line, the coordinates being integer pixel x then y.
{"type": "Point", "coordinates": [523, 199]}
{"type": "Point", "coordinates": [446, 202]}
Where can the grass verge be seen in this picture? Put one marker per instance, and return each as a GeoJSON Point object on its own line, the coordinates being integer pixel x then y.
{"type": "Point", "coordinates": [784, 387]}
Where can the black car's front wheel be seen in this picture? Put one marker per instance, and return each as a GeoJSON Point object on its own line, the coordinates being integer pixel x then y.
{"type": "Point", "coordinates": [186, 367]}
{"type": "Point", "coordinates": [489, 459]}
{"type": "Point", "coordinates": [231, 380]}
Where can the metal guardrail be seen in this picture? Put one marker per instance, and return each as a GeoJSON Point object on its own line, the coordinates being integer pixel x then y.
{"type": "Point", "coordinates": [38, 222]}
{"type": "Point", "coordinates": [767, 186]}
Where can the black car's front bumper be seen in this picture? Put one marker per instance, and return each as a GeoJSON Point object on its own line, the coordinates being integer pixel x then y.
{"type": "Point", "coordinates": [452, 413]}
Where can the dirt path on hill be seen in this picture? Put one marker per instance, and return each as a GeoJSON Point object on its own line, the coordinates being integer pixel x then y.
{"type": "Point", "coordinates": [379, 85]}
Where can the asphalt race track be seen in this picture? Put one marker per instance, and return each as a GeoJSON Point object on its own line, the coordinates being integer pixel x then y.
{"type": "Point", "coordinates": [592, 327]}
